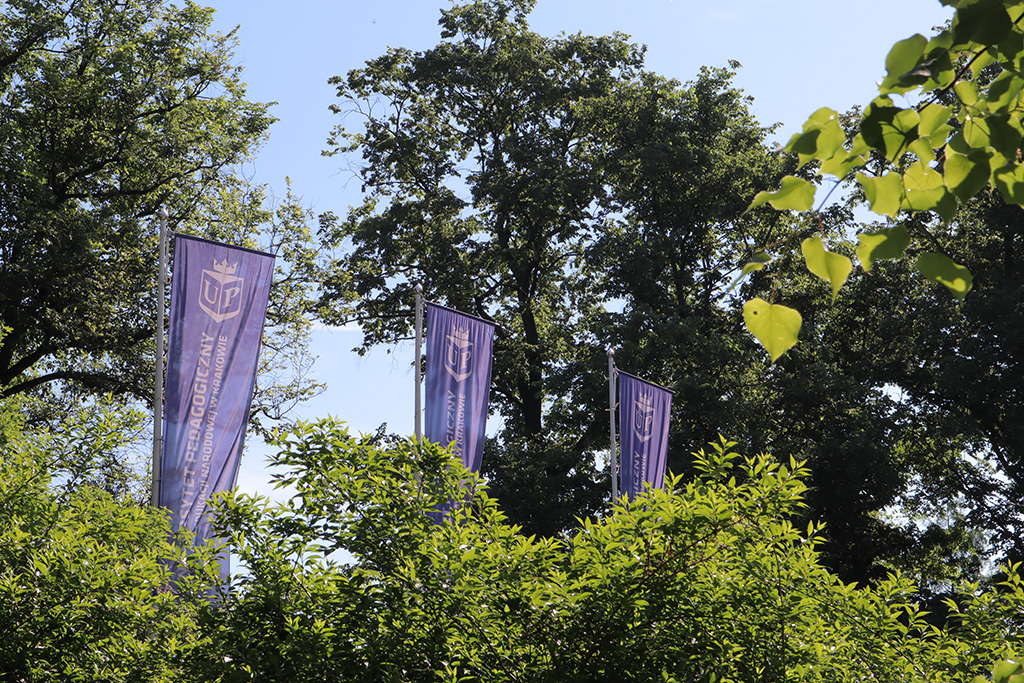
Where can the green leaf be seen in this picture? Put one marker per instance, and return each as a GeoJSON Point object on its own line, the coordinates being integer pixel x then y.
{"type": "Point", "coordinates": [934, 124]}
{"type": "Point", "coordinates": [922, 149]}
{"type": "Point", "coordinates": [760, 260]}
{"type": "Point", "coordinates": [884, 193]}
{"type": "Point", "coordinates": [884, 244]}
{"type": "Point", "coordinates": [926, 191]}
{"type": "Point", "coordinates": [1004, 91]}
{"type": "Point", "coordinates": [980, 21]}
{"type": "Point", "coordinates": [821, 138]}
{"type": "Point", "coordinates": [796, 194]}
{"type": "Point", "coordinates": [1011, 49]}
{"type": "Point", "coordinates": [999, 131]}
{"type": "Point", "coordinates": [830, 267]}
{"type": "Point", "coordinates": [846, 160]}
{"type": "Point", "coordinates": [900, 62]}
{"type": "Point", "coordinates": [775, 326]}
{"type": "Point", "coordinates": [1005, 669]}
{"type": "Point", "coordinates": [888, 128]}
{"type": "Point", "coordinates": [942, 269]}
{"type": "Point", "coordinates": [966, 174]}
{"type": "Point", "coordinates": [967, 92]}
{"type": "Point", "coordinates": [1010, 181]}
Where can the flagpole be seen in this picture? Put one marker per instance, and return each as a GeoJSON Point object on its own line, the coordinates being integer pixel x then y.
{"type": "Point", "coordinates": [158, 375]}
{"type": "Point", "coordinates": [418, 423]}
{"type": "Point", "coordinates": [614, 459]}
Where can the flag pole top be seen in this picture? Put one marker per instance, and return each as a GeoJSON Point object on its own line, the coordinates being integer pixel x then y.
{"type": "Point", "coordinates": [419, 288]}
{"type": "Point", "coordinates": [611, 352]}
{"type": "Point", "coordinates": [162, 212]}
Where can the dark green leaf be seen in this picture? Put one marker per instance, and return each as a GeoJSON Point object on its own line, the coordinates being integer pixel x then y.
{"type": "Point", "coordinates": [942, 269]}
{"type": "Point", "coordinates": [981, 21]}
{"type": "Point", "coordinates": [884, 244]}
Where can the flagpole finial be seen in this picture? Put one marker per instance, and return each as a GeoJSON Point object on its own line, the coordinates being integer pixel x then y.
{"type": "Point", "coordinates": [162, 212]}
{"type": "Point", "coordinates": [419, 288]}
{"type": "Point", "coordinates": [611, 352]}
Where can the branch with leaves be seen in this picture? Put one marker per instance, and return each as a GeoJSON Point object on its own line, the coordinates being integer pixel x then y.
{"type": "Point", "coordinates": [964, 135]}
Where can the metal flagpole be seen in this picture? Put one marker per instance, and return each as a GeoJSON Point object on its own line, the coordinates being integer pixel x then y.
{"type": "Point", "coordinates": [611, 424]}
{"type": "Point", "coordinates": [419, 367]}
{"type": "Point", "coordinates": [158, 388]}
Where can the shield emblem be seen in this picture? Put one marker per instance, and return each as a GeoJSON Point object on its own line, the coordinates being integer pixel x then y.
{"type": "Point", "coordinates": [458, 355]}
{"type": "Point", "coordinates": [220, 292]}
{"type": "Point", "coordinates": [643, 418]}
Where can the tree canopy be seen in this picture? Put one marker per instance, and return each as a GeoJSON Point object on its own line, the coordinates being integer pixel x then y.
{"type": "Point", "coordinates": [109, 110]}
{"type": "Point", "coordinates": [520, 178]}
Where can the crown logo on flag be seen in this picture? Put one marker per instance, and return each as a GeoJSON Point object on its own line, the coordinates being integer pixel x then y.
{"type": "Point", "coordinates": [224, 267]}
{"type": "Point", "coordinates": [220, 291]}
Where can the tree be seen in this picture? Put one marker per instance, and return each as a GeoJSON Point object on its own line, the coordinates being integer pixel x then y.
{"type": "Point", "coordinates": [964, 135]}
{"type": "Point", "coordinates": [108, 110]}
{"type": "Point", "coordinates": [944, 171]}
{"type": "Point", "coordinates": [707, 580]}
{"type": "Point", "coordinates": [82, 570]}
{"type": "Point", "coordinates": [504, 171]}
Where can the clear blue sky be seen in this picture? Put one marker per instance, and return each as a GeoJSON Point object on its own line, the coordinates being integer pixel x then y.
{"type": "Point", "coordinates": [797, 56]}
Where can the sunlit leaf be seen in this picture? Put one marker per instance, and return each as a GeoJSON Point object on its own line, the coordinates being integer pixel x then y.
{"type": "Point", "coordinates": [901, 60]}
{"type": "Point", "coordinates": [795, 194]}
{"type": "Point", "coordinates": [830, 267]}
{"type": "Point", "coordinates": [926, 191]}
{"type": "Point", "coordinates": [967, 92]}
{"type": "Point", "coordinates": [884, 193]}
{"type": "Point", "coordinates": [844, 160]}
{"type": "Point", "coordinates": [1011, 49]}
{"type": "Point", "coordinates": [1010, 181]}
{"type": "Point", "coordinates": [966, 174]}
{"type": "Point", "coordinates": [821, 138]}
{"type": "Point", "coordinates": [758, 261]}
{"type": "Point", "coordinates": [942, 269]}
{"type": "Point", "coordinates": [934, 124]}
{"type": "Point", "coordinates": [888, 128]}
{"type": "Point", "coordinates": [1004, 91]}
{"type": "Point", "coordinates": [922, 149]}
{"type": "Point", "coordinates": [884, 244]}
{"type": "Point", "coordinates": [775, 326]}
{"type": "Point", "coordinates": [1005, 669]}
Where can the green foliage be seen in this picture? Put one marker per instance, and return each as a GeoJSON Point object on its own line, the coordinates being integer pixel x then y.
{"type": "Point", "coordinates": [351, 578]}
{"type": "Point", "coordinates": [707, 580]}
{"type": "Point", "coordinates": [109, 110]}
{"type": "Point", "coordinates": [531, 181]}
{"type": "Point", "coordinates": [82, 579]}
{"type": "Point", "coordinates": [960, 133]}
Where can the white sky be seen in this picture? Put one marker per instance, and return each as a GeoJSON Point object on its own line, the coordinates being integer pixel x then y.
{"type": "Point", "coordinates": [797, 56]}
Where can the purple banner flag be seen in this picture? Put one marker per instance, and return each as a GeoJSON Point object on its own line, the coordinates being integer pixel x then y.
{"type": "Point", "coordinates": [458, 381]}
{"type": "Point", "coordinates": [219, 298]}
{"type": "Point", "coordinates": [644, 410]}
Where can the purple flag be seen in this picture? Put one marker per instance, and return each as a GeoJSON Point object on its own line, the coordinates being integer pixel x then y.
{"type": "Point", "coordinates": [643, 425]}
{"type": "Point", "coordinates": [458, 381]}
{"type": "Point", "coordinates": [219, 300]}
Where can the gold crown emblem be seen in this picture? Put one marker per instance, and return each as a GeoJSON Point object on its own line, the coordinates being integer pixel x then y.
{"type": "Point", "coordinates": [224, 267]}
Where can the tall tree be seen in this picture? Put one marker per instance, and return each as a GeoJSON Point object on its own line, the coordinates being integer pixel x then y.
{"type": "Point", "coordinates": [485, 182]}
{"type": "Point", "coordinates": [502, 170]}
{"type": "Point", "coordinates": [108, 110]}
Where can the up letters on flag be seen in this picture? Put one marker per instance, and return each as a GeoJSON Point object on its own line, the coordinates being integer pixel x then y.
{"type": "Point", "coordinates": [644, 410]}
{"type": "Point", "coordinates": [458, 381]}
{"type": "Point", "coordinates": [219, 298]}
